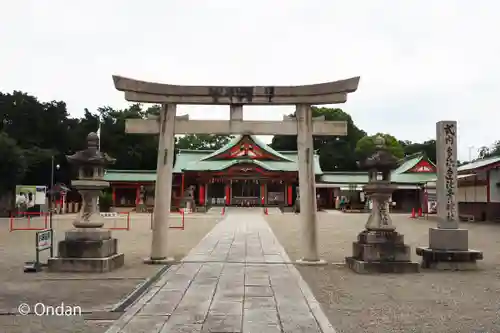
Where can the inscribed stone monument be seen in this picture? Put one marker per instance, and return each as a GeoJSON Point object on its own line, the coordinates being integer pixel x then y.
{"type": "Point", "coordinates": [448, 244]}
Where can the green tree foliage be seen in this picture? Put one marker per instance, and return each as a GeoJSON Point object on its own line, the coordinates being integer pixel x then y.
{"type": "Point", "coordinates": [31, 132]}
{"type": "Point", "coordinates": [485, 152]}
{"type": "Point", "coordinates": [428, 147]}
{"type": "Point", "coordinates": [336, 153]}
{"type": "Point", "coordinates": [13, 166]}
{"type": "Point", "coordinates": [366, 146]}
{"type": "Point", "coordinates": [202, 141]}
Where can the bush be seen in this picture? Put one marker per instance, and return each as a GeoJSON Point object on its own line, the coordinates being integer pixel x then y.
{"type": "Point", "coordinates": [105, 202]}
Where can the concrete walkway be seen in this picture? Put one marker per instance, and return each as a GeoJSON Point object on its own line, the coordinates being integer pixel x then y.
{"type": "Point", "coordinates": [238, 279]}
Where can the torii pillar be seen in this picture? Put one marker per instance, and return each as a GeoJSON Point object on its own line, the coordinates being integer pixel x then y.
{"type": "Point", "coordinates": [303, 125]}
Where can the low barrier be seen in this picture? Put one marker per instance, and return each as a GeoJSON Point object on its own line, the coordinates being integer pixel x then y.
{"type": "Point", "coordinates": [415, 212]}
{"type": "Point", "coordinates": [27, 216]}
{"type": "Point", "coordinates": [180, 227]}
{"type": "Point", "coordinates": [117, 216]}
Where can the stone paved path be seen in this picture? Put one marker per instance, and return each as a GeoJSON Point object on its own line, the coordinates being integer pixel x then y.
{"type": "Point", "coordinates": [238, 279]}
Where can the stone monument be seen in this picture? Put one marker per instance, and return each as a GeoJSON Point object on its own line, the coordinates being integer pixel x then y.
{"type": "Point", "coordinates": [88, 248]}
{"type": "Point", "coordinates": [141, 205]}
{"type": "Point", "coordinates": [448, 244]}
{"type": "Point", "coordinates": [188, 198]}
{"type": "Point", "coordinates": [380, 249]}
{"type": "Point", "coordinates": [296, 206]}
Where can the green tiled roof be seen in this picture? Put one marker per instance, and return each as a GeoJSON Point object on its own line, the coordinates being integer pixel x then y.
{"type": "Point", "coordinates": [479, 163]}
{"type": "Point", "coordinates": [130, 176]}
{"type": "Point", "coordinates": [400, 175]}
{"type": "Point", "coordinates": [413, 178]}
{"type": "Point", "coordinates": [362, 178]}
{"type": "Point", "coordinates": [344, 177]}
{"type": "Point", "coordinates": [203, 160]}
{"type": "Point", "coordinates": [409, 162]}
{"type": "Point", "coordinates": [193, 160]}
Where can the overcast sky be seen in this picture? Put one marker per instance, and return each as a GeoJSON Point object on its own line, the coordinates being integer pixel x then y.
{"type": "Point", "coordinates": [420, 61]}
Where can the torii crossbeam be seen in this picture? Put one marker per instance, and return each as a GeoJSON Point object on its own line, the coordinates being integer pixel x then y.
{"type": "Point", "coordinates": [303, 125]}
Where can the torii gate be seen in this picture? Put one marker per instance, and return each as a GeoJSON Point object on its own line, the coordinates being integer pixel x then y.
{"type": "Point", "coordinates": [304, 126]}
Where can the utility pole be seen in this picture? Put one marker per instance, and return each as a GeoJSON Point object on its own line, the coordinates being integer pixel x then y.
{"type": "Point", "coordinates": [470, 152]}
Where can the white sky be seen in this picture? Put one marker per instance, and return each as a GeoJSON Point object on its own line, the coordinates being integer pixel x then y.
{"type": "Point", "coordinates": [420, 61]}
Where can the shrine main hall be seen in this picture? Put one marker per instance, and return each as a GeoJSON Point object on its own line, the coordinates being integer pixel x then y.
{"type": "Point", "coordinates": [248, 172]}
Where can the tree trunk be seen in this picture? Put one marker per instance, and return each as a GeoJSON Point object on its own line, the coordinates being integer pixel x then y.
{"type": "Point", "coordinates": [6, 203]}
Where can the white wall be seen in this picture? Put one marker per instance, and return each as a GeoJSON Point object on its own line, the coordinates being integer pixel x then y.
{"type": "Point", "coordinates": [494, 189]}
{"type": "Point", "coordinates": [472, 194]}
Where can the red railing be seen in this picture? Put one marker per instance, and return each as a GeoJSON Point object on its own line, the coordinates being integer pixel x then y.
{"type": "Point", "coordinates": [28, 216]}
{"type": "Point", "coordinates": [180, 227]}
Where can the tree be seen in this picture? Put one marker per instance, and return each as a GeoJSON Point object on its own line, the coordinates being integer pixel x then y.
{"type": "Point", "coordinates": [485, 152]}
{"type": "Point", "coordinates": [427, 147]}
{"type": "Point", "coordinates": [132, 151]}
{"type": "Point", "coordinates": [202, 141]}
{"type": "Point", "coordinates": [13, 166]}
{"type": "Point", "coordinates": [39, 130]}
{"type": "Point", "coordinates": [12, 170]}
{"type": "Point", "coordinates": [335, 153]}
{"type": "Point", "coordinates": [366, 146]}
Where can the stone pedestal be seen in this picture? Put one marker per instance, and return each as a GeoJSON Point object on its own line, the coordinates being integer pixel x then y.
{"type": "Point", "coordinates": [381, 252]}
{"type": "Point", "coordinates": [449, 250]}
{"type": "Point", "coordinates": [87, 250]}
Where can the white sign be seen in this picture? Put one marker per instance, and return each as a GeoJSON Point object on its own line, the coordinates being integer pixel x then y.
{"type": "Point", "coordinates": [109, 214]}
{"type": "Point", "coordinates": [40, 195]}
{"type": "Point", "coordinates": [43, 239]}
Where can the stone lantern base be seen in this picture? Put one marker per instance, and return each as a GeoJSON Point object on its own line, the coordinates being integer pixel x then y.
{"type": "Point", "coordinates": [381, 251]}
{"type": "Point", "coordinates": [87, 250]}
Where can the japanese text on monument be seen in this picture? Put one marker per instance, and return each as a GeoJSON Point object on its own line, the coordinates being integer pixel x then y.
{"type": "Point", "coordinates": [450, 169]}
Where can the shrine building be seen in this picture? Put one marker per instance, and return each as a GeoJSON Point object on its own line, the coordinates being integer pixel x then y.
{"type": "Point", "coordinates": [478, 192]}
{"type": "Point", "coordinates": [248, 172]}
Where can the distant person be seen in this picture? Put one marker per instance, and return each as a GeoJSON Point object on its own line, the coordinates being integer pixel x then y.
{"type": "Point", "coordinates": [31, 200]}
{"type": "Point", "coordinates": [342, 203]}
{"type": "Point", "coordinates": [21, 204]}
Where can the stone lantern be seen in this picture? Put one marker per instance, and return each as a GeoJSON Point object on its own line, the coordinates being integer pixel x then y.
{"type": "Point", "coordinates": [379, 247]}
{"type": "Point", "coordinates": [88, 248]}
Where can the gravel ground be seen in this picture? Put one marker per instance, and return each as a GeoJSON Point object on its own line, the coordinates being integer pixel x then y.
{"type": "Point", "coordinates": [92, 292]}
{"type": "Point", "coordinates": [430, 301]}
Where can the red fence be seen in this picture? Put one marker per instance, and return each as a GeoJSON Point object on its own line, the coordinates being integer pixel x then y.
{"type": "Point", "coordinates": [26, 219]}
{"type": "Point", "coordinates": [180, 227]}
{"type": "Point", "coordinates": [27, 216]}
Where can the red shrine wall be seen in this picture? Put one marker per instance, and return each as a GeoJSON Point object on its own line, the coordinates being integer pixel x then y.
{"type": "Point", "coordinates": [423, 167]}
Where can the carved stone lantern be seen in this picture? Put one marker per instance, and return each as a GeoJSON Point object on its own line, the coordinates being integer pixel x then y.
{"type": "Point", "coordinates": [90, 164]}
{"type": "Point", "coordinates": [379, 247]}
{"type": "Point", "coordinates": [88, 247]}
{"type": "Point", "coordinates": [379, 188]}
